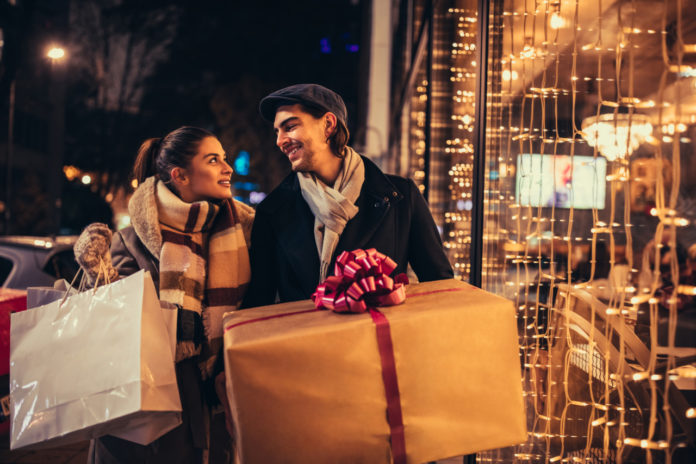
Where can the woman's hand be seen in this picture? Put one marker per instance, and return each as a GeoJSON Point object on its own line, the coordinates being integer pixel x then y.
{"type": "Point", "coordinates": [92, 253]}
{"type": "Point", "coordinates": [221, 390]}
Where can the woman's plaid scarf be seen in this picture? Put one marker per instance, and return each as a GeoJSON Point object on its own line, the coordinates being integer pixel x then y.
{"type": "Point", "coordinates": [204, 266]}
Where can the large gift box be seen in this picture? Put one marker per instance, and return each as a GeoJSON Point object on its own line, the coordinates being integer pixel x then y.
{"type": "Point", "coordinates": [308, 385]}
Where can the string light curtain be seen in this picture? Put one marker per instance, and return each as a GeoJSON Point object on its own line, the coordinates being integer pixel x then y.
{"type": "Point", "coordinates": [458, 149]}
{"type": "Point", "coordinates": [589, 207]}
{"type": "Point", "coordinates": [590, 190]}
{"type": "Point", "coordinates": [441, 121]}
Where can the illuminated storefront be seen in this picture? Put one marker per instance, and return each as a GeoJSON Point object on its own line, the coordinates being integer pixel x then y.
{"type": "Point", "coordinates": [569, 188]}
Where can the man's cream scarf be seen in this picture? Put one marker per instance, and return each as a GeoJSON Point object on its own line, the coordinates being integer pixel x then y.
{"type": "Point", "coordinates": [333, 206]}
{"type": "Point", "coordinates": [204, 265]}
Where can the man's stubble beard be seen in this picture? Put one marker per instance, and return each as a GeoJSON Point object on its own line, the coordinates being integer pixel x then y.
{"type": "Point", "coordinates": [305, 165]}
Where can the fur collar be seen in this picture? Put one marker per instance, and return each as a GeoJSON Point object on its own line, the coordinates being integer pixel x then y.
{"type": "Point", "coordinates": [142, 208]}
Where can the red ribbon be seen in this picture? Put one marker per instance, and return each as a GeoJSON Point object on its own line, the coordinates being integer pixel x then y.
{"type": "Point", "coordinates": [360, 283]}
{"type": "Point", "coordinates": [265, 318]}
{"type": "Point", "coordinates": [391, 386]}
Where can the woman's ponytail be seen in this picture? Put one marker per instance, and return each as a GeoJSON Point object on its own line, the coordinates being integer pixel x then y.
{"type": "Point", "coordinates": [158, 156]}
{"type": "Point", "coordinates": [146, 161]}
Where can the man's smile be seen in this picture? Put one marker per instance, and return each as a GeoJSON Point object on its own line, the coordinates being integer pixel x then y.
{"type": "Point", "coordinates": [291, 149]}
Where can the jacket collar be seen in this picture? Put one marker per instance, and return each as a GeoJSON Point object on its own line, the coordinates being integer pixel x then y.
{"type": "Point", "coordinates": [293, 221]}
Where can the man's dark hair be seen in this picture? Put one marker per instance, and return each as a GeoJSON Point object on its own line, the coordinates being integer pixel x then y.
{"type": "Point", "coordinates": [339, 139]}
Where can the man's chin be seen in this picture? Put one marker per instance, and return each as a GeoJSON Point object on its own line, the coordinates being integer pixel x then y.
{"type": "Point", "coordinates": [301, 167]}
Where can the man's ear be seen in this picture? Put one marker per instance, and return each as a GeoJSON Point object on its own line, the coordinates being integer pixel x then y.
{"type": "Point", "coordinates": [179, 176]}
{"type": "Point", "coordinates": [330, 123]}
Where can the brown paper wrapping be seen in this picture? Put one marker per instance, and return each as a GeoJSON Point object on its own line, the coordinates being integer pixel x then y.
{"type": "Point", "coordinates": [307, 388]}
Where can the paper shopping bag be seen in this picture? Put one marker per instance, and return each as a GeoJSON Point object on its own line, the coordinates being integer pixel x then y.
{"type": "Point", "coordinates": [169, 313]}
{"type": "Point", "coordinates": [97, 363]}
{"type": "Point", "coordinates": [39, 296]}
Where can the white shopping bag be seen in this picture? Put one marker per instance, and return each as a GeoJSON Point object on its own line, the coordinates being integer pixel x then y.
{"type": "Point", "coordinates": [169, 313]}
{"type": "Point", "coordinates": [97, 363]}
{"type": "Point", "coordinates": [39, 296]}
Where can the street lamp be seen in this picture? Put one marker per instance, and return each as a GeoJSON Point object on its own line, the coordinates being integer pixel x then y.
{"type": "Point", "coordinates": [10, 155]}
{"type": "Point", "coordinates": [56, 53]}
{"type": "Point", "coordinates": [56, 133]}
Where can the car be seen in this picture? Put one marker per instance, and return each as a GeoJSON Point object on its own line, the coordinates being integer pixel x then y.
{"type": "Point", "coordinates": [28, 261]}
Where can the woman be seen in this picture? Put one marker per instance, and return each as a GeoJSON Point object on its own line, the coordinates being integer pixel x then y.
{"type": "Point", "coordinates": [192, 237]}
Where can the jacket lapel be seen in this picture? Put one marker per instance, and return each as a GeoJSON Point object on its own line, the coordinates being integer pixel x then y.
{"type": "Point", "coordinates": [376, 199]}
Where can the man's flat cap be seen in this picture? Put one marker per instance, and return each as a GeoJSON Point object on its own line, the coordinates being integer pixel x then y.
{"type": "Point", "coordinates": [312, 95]}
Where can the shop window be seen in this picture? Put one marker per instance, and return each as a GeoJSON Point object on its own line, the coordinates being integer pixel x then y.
{"type": "Point", "coordinates": [589, 208]}
{"type": "Point", "coordinates": [590, 120]}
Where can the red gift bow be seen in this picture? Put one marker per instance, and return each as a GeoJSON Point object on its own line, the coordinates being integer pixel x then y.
{"type": "Point", "coordinates": [361, 281]}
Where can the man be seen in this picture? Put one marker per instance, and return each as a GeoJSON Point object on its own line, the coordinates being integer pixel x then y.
{"type": "Point", "coordinates": [335, 200]}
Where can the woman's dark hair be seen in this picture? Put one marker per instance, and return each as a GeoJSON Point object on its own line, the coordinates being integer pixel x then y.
{"type": "Point", "coordinates": [158, 156]}
{"type": "Point", "coordinates": [339, 139]}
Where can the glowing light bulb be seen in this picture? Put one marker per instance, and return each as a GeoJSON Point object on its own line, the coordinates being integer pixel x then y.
{"type": "Point", "coordinates": [510, 75]}
{"type": "Point", "coordinates": [56, 53]}
{"type": "Point", "coordinates": [557, 21]}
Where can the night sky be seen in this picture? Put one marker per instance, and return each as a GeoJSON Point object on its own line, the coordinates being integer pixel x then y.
{"type": "Point", "coordinates": [275, 43]}
{"type": "Point", "coordinates": [139, 69]}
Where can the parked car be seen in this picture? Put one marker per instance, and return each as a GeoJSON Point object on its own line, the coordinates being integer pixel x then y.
{"type": "Point", "coordinates": [36, 261]}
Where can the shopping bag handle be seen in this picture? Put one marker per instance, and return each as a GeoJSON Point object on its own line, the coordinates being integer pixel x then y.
{"type": "Point", "coordinates": [71, 286]}
{"type": "Point", "coordinates": [102, 274]}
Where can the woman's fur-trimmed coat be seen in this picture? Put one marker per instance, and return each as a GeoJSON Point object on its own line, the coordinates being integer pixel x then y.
{"type": "Point", "coordinates": [138, 247]}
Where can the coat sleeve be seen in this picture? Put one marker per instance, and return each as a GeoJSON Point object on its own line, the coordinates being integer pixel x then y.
{"type": "Point", "coordinates": [262, 256]}
{"type": "Point", "coordinates": [425, 251]}
{"type": "Point", "coordinates": [123, 261]}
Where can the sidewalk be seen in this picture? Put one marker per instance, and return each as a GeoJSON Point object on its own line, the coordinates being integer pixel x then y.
{"type": "Point", "coordinates": [77, 454]}
{"type": "Point", "coordinates": [70, 454]}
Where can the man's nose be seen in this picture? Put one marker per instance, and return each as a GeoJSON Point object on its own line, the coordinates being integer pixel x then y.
{"type": "Point", "coordinates": [280, 138]}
